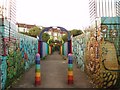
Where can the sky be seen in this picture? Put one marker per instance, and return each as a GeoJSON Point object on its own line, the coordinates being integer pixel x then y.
{"type": "Point", "coordinates": [70, 14]}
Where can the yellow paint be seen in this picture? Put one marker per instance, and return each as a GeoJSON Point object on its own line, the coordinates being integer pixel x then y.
{"type": "Point", "coordinates": [111, 56]}
{"type": "Point", "coordinates": [61, 50]}
{"type": "Point", "coordinates": [38, 74]}
{"type": "Point", "coordinates": [110, 84]}
{"type": "Point", "coordinates": [70, 73]}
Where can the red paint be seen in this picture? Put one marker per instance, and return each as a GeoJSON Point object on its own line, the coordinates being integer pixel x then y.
{"type": "Point", "coordinates": [37, 79]}
{"type": "Point", "coordinates": [70, 77]}
{"type": "Point", "coordinates": [51, 49]}
{"type": "Point", "coordinates": [70, 82]}
{"type": "Point", "coordinates": [37, 83]}
{"type": "Point", "coordinates": [39, 47]}
{"type": "Point", "coordinates": [26, 56]}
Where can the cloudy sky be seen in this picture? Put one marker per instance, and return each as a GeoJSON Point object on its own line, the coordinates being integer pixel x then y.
{"type": "Point", "coordinates": [70, 14]}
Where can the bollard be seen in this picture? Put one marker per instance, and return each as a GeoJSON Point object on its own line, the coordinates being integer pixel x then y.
{"type": "Point", "coordinates": [37, 70]}
{"type": "Point", "coordinates": [70, 69]}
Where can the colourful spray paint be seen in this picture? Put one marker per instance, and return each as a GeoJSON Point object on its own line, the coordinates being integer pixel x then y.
{"type": "Point", "coordinates": [50, 50]}
{"type": "Point", "coordinates": [70, 69]}
{"type": "Point", "coordinates": [100, 58]}
{"type": "Point", "coordinates": [37, 70]}
{"type": "Point", "coordinates": [78, 50]}
{"type": "Point", "coordinates": [44, 49]}
{"type": "Point", "coordinates": [65, 48]}
{"type": "Point", "coordinates": [61, 49]}
{"type": "Point", "coordinates": [47, 49]}
{"type": "Point", "coordinates": [16, 53]}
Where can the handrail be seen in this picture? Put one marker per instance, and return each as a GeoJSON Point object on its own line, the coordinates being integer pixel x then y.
{"type": "Point", "coordinates": [107, 68]}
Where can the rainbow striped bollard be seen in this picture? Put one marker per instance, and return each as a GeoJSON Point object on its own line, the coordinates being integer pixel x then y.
{"type": "Point", "coordinates": [37, 70]}
{"type": "Point", "coordinates": [70, 69]}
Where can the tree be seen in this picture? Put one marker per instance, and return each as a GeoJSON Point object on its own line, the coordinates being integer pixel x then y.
{"type": "Point", "coordinates": [65, 38]}
{"type": "Point", "coordinates": [45, 37]}
{"type": "Point", "coordinates": [35, 31]}
{"type": "Point", "coordinates": [73, 32]}
{"type": "Point", "coordinates": [76, 32]}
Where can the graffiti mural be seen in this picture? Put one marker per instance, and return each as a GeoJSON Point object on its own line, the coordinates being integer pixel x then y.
{"type": "Point", "coordinates": [102, 55]}
{"type": "Point", "coordinates": [45, 49]}
{"type": "Point", "coordinates": [110, 46]}
{"type": "Point", "coordinates": [28, 49]}
{"type": "Point", "coordinates": [15, 63]}
{"type": "Point", "coordinates": [17, 54]}
{"type": "Point", "coordinates": [65, 51]}
{"type": "Point", "coordinates": [3, 72]}
{"type": "Point", "coordinates": [20, 57]}
{"type": "Point", "coordinates": [101, 58]}
{"type": "Point", "coordinates": [78, 50]}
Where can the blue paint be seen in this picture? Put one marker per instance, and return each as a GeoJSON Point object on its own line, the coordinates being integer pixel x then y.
{"type": "Point", "coordinates": [37, 66]}
{"type": "Point", "coordinates": [66, 48]}
{"type": "Point", "coordinates": [37, 62]}
{"type": "Point", "coordinates": [41, 47]}
{"type": "Point", "coordinates": [3, 72]}
{"type": "Point", "coordinates": [70, 65]}
{"type": "Point", "coordinates": [48, 28]}
{"type": "Point", "coordinates": [70, 58]}
{"type": "Point", "coordinates": [28, 45]}
{"type": "Point", "coordinates": [70, 61]}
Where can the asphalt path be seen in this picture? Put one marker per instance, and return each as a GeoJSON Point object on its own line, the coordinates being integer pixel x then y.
{"type": "Point", "coordinates": [54, 75]}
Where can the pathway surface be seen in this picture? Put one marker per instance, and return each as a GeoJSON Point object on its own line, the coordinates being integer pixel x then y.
{"type": "Point", "coordinates": [54, 75]}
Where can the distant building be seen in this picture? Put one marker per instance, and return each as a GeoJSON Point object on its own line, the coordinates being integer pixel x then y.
{"type": "Point", "coordinates": [24, 27]}
{"type": "Point", "coordinates": [8, 19]}
{"type": "Point", "coordinates": [118, 8]}
{"type": "Point", "coordinates": [8, 10]}
{"type": "Point", "coordinates": [103, 8]}
{"type": "Point", "coordinates": [56, 34]}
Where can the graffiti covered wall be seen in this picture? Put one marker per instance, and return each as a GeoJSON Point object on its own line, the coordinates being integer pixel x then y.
{"type": "Point", "coordinates": [78, 43]}
{"type": "Point", "coordinates": [16, 54]}
{"type": "Point", "coordinates": [101, 55]}
{"type": "Point", "coordinates": [28, 49]}
{"type": "Point", "coordinates": [45, 49]}
{"type": "Point", "coordinates": [65, 49]}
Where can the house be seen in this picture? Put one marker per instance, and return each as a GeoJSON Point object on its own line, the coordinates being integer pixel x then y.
{"type": "Point", "coordinates": [22, 27]}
